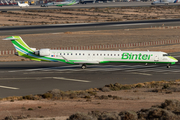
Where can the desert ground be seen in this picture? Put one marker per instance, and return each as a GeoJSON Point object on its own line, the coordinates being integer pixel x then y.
{"type": "Point", "coordinates": [89, 15]}
{"type": "Point", "coordinates": [117, 98]}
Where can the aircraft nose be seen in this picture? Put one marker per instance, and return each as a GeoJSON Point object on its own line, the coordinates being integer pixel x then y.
{"type": "Point", "coordinates": [173, 59]}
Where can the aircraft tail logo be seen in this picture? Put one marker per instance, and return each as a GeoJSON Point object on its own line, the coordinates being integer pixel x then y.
{"type": "Point", "coordinates": [20, 46]}
{"type": "Point", "coordinates": [176, 1]}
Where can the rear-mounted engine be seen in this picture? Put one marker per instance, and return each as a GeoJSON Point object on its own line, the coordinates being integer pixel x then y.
{"type": "Point", "coordinates": [43, 52]}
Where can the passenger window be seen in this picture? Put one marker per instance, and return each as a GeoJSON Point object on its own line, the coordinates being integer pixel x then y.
{"type": "Point", "coordinates": [118, 54]}
{"type": "Point", "coordinates": [64, 53]}
{"type": "Point", "coordinates": [104, 54]}
{"type": "Point", "coordinates": [100, 54]}
{"type": "Point", "coordinates": [71, 54]}
{"type": "Point", "coordinates": [93, 54]}
{"type": "Point", "coordinates": [76, 53]}
{"type": "Point", "coordinates": [83, 53]}
{"type": "Point", "coordinates": [107, 54]}
{"type": "Point", "coordinates": [60, 53]}
{"type": "Point", "coordinates": [79, 53]}
{"type": "Point", "coordinates": [114, 54]}
{"type": "Point", "coordinates": [89, 54]}
{"type": "Point", "coordinates": [97, 54]}
{"type": "Point", "coordinates": [67, 53]}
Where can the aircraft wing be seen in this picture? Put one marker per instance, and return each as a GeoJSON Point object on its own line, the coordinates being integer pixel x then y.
{"type": "Point", "coordinates": [90, 62]}
{"type": "Point", "coordinates": [81, 62]}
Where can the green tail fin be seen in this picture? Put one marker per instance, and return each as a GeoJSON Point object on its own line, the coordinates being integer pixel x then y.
{"type": "Point", "coordinates": [20, 46]}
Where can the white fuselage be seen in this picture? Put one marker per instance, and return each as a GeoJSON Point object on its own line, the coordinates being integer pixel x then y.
{"type": "Point", "coordinates": [23, 4]}
{"type": "Point", "coordinates": [164, 2]}
{"type": "Point", "coordinates": [93, 56]}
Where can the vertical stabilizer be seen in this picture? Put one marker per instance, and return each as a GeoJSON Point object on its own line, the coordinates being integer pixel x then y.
{"type": "Point", "coordinates": [20, 46]}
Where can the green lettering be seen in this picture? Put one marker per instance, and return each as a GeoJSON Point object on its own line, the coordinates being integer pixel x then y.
{"type": "Point", "coordinates": [136, 56]}
{"type": "Point", "coordinates": [130, 57]}
{"type": "Point", "coordinates": [139, 56]}
{"type": "Point", "coordinates": [144, 57]}
{"type": "Point", "coordinates": [149, 56]}
{"type": "Point", "coordinates": [125, 56]}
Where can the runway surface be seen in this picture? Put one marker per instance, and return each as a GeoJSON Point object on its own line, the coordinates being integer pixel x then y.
{"type": "Point", "coordinates": [88, 5]}
{"type": "Point", "coordinates": [59, 28]}
{"type": "Point", "coordinates": [24, 78]}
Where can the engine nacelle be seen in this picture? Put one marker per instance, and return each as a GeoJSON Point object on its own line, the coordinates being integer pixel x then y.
{"type": "Point", "coordinates": [43, 52]}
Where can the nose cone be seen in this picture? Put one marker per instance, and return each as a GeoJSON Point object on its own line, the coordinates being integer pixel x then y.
{"type": "Point", "coordinates": [172, 59]}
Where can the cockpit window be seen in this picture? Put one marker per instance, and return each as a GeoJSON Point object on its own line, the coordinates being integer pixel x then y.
{"type": "Point", "coordinates": [166, 55]}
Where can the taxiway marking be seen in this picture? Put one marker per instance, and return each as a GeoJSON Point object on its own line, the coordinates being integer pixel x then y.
{"type": "Point", "coordinates": [141, 73]}
{"type": "Point", "coordinates": [68, 79]}
{"type": "Point", "coordinates": [7, 87]}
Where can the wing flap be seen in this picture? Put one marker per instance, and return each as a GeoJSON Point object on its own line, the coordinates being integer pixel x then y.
{"type": "Point", "coordinates": [91, 62]}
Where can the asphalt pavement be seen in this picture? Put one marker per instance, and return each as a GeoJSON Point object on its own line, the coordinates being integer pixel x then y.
{"type": "Point", "coordinates": [24, 78]}
{"type": "Point", "coordinates": [88, 5]}
{"type": "Point", "coordinates": [19, 30]}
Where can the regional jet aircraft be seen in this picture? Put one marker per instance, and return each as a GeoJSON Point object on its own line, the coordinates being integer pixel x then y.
{"type": "Point", "coordinates": [60, 3]}
{"type": "Point", "coordinates": [84, 57]}
{"type": "Point", "coordinates": [23, 4]}
{"type": "Point", "coordinates": [166, 2]}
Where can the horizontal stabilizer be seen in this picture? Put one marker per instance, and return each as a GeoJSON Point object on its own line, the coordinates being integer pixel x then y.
{"type": "Point", "coordinates": [10, 38]}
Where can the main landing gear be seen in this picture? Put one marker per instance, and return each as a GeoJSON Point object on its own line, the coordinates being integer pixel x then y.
{"type": "Point", "coordinates": [83, 66]}
{"type": "Point", "coordinates": [168, 66]}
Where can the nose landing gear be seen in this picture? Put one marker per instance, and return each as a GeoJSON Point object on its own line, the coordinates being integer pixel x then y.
{"type": "Point", "coordinates": [168, 66]}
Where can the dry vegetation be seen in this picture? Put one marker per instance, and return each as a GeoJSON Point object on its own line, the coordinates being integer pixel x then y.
{"type": "Point", "coordinates": [90, 15]}
{"type": "Point", "coordinates": [111, 102]}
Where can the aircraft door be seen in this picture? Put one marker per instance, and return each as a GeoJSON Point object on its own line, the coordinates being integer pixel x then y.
{"type": "Point", "coordinates": [156, 58]}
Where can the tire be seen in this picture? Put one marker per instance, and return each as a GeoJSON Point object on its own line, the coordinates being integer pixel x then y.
{"type": "Point", "coordinates": [83, 66]}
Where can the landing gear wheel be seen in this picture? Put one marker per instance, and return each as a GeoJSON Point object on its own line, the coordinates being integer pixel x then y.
{"type": "Point", "coordinates": [168, 66]}
{"type": "Point", "coordinates": [83, 66]}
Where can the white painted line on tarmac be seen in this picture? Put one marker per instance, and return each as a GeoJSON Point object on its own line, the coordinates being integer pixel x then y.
{"type": "Point", "coordinates": [130, 24]}
{"type": "Point", "coordinates": [141, 73]}
{"type": "Point", "coordinates": [48, 68]}
{"type": "Point", "coordinates": [9, 87]}
{"type": "Point", "coordinates": [26, 78]}
{"type": "Point", "coordinates": [62, 78]}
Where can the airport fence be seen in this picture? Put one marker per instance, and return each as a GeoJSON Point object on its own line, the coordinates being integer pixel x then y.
{"type": "Point", "coordinates": [111, 46]}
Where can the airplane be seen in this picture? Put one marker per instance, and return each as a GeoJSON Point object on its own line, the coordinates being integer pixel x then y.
{"type": "Point", "coordinates": [166, 2]}
{"type": "Point", "coordinates": [23, 4]}
{"type": "Point", "coordinates": [86, 57]}
{"type": "Point", "coordinates": [60, 3]}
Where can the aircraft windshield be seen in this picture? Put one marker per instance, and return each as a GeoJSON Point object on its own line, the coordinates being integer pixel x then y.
{"type": "Point", "coordinates": [166, 55]}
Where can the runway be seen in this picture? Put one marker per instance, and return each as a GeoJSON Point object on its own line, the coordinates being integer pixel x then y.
{"type": "Point", "coordinates": [59, 28]}
{"type": "Point", "coordinates": [24, 78]}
